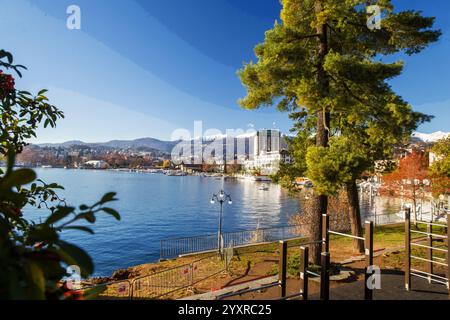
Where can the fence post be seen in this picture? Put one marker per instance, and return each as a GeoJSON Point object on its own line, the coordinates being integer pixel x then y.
{"type": "Point", "coordinates": [282, 269]}
{"type": "Point", "coordinates": [368, 292]}
{"type": "Point", "coordinates": [191, 274]}
{"type": "Point", "coordinates": [325, 276]}
{"type": "Point", "coordinates": [325, 235]}
{"type": "Point", "coordinates": [448, 254]}
{"type": "Point", "coordinates": [304, 253]}
{"type": "Point", "coordinates": [430, 251]}
{"type": "Point", "coordinates": [131, 292]}
{"type": "Point", "coordinates": [408, 249]}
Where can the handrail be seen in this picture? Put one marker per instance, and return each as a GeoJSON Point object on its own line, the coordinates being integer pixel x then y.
{"type": "Point", "coordinates": [429, 234]}
{"type": "Point", "coordinates": [346, 235]}
{"type": "Point", "coordinates": [232, 232]}
{"type": "Point", "coordinates": [237, 293]}
{"type": "Point", "coordinates": [429, 223]}
{"type": "Point", "coordinates": [428, 260]}
{"type": "Point", "coordinates": [428, 247]}
{"type": "Point", "coordinates": [429, 274]}
{"type": "Point", "coordinates": [295, 295]}
{"type": "Point", "coordinates": [426, 278]}
{"type": "Point", "coordinates": [313, 273]}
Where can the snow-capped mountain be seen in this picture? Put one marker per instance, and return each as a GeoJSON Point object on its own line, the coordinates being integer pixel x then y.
{"type": "Point", "coordinates": [248, 134]}
{"type": "Point", "coordinates": [431, 137]}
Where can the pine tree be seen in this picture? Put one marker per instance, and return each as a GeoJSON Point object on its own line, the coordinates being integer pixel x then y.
{"type": "Point", "coordinates": [322, 63]}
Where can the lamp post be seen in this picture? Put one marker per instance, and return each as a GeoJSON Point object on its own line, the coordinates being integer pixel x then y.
{"type": "Point", "coordinates": [221, 198]}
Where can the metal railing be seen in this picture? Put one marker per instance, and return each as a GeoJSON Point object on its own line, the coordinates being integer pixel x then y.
{"type": "Point", "coordinates": [430, 248]}
{"type": "Point", "coordinates": [172, 248]}
{"type": "Point", "coordinates": [399, 217]}
{"type": "Point", "coordinates": [385, 219]}
{"type": "Point", "coordinates": [116, 289]}
{"type": "Point", "coordinates": [368, 252]}
{"type": "Point", "coordinates": [304, 272]}
{"type": "Point", "coordinates": [169, 281]}
{"type": "Point", "coordinates": [166, 282]}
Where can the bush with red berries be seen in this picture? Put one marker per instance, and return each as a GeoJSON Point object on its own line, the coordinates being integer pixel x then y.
{"type": "Point", "coordinates": [6, 84]}
{"type": "Point", "coordinates": [33, 256]}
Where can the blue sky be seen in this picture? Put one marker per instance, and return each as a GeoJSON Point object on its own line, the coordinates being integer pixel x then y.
{"type": "Point", "coordinates": [141, 68]}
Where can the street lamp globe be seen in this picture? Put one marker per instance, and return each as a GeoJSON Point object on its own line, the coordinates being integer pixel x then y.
{"type": "Point", "coordinates": [221, 198]}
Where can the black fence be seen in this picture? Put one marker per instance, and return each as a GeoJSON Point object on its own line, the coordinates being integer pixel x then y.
{"type": "Point", "coordinates": [172, 248]}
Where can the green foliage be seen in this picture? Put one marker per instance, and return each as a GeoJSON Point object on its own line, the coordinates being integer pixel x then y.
{"type": "Point", "coordinates": [341, 163]}
{"type": "Point", "coordinates": [33, 255]}
{"type": "Point", "coordinates": [440, 169]}
{"type": "Point", "coordinates": [367, 118]}
{"type": "Point", "coordinates": [297, 147]}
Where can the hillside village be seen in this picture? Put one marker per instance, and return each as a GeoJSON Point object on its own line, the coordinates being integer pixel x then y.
{"type": "Point", "coordinates": [261, 156]}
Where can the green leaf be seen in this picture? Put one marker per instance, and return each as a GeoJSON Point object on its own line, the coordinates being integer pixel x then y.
{"type": "Point", "coordinates": [59, 214]}
{"type": "Point", "coordinates": [80, 228]}
{"type": "Point", "coordinates": [108, 197]}
{"type": "Point", "coordinates": [88, 216]}
{"type": "Point", "coordinates": [112, 212]}
{"type": "Point", "coordinates": [73, 255]}
{"type": "Point", "coordinates": [37, 280]}
{"type": "Point", "coordinates": [19, 178]}
{"type": "Point", "coordinates": [25, 93]}
{"type": "Point", "coordinates": [43, 233]}
{"type": "Point", "coordinates": [6, 54]}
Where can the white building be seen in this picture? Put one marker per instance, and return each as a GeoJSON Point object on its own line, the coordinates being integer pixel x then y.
{"type": "Point", "coordinates": [96, 164]}
{"type": "Point", "coordinates": [270, 149]}
{"type": "Point", "coordinates": [433, 157]}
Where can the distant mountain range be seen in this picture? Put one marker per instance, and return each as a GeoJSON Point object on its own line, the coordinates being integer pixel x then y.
{"type": "Point", "coordinates": [150, 143]}
{"type": "Point", "coordinates": [167, 146]}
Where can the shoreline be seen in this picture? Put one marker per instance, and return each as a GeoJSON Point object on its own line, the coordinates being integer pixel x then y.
{"type": "Point", "coordinates": [167, 172]}
{"type": "Point", "coordinates": [248, 265]}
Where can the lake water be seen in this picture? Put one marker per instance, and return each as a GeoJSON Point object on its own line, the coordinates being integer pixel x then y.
{"type": "Point", "coordinates": [156, 207]}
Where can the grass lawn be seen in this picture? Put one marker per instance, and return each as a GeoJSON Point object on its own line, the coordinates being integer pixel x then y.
{"type": "Point", "coordinates": [254, 262]}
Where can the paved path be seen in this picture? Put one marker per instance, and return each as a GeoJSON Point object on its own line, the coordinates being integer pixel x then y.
{"type": "Point", "coordinates": [236, 288]}
{"type": "Point", "coordinates": [392, 288]}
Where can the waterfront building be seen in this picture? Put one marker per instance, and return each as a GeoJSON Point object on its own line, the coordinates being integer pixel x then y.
{"type": "Point", "coordinates": [270, 150]}
{"type": "Point", "coordinates": [191, 168]}
{"type": "Point", "coordinates": [96, 164]}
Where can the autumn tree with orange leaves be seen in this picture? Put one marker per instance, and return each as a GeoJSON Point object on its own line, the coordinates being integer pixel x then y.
{"type": "Point", "coordinates": [410, 180]}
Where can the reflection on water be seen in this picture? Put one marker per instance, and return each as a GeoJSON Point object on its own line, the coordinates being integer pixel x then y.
{"type": "Point", "coordinates": [157, 207]}
{"type": "Point", "coordinates": [379, 205]}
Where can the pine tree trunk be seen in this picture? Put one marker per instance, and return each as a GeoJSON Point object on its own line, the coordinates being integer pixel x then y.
{"type": "Point", "coordinates": [319, 206]}
{"type": "Point", "coordinates": [355, 215]}
{"type": "Point", "coordinates": [320, 202]}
